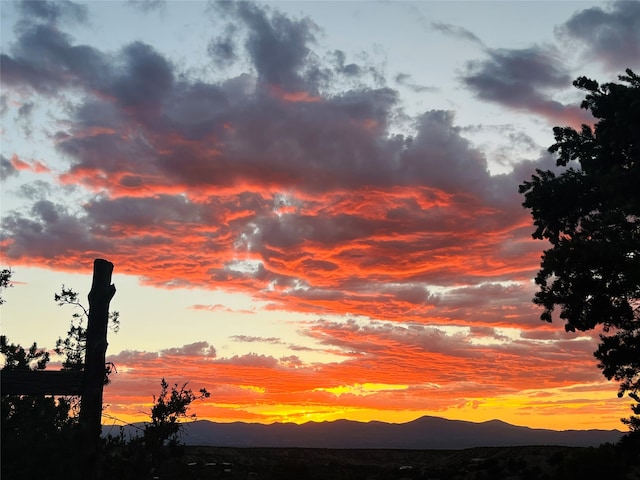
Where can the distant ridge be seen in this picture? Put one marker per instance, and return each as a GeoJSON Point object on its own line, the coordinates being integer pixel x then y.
{"type": "Point", "coordinates": [423, 433]}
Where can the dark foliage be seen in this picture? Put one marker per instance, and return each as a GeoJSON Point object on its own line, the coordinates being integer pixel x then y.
{"type": "Point", "coordinates": [5, 281]}
{"type": "Point", "coordinates": [40, 434]}
{"type": "Point", "coordinates": [157, 448]}
{"type": "Point", "coordinates": [590, 213]}
{"type": "Point", "coordinates": [33, 427]}
{"type": "Point", "coordinates": [73, 347]}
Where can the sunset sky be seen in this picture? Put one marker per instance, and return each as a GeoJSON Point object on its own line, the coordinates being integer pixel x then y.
{"type": "Point", "coordinates": [312, 207]}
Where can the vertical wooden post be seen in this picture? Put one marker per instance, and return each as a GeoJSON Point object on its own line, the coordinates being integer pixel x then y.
{"type": "Point", "coordinates": [102, 291]}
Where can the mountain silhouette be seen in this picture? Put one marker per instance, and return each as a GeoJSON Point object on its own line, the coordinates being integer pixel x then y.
{"type": "Point", "coordinates": [423, 433]}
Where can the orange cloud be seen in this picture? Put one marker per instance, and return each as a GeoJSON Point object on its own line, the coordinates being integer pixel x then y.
{"type": "Point", "coordinates": [35, 166]}
{"type": "Point", "coordinates": [303, 184]}
{"type": "Point", "coordinates": [424, 373]}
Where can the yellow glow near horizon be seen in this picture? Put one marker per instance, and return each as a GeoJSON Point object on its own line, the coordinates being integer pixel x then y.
{"type": "Point", "coordinates": [253, 388]}
{"type": "Point", "coordinates": [556, 409]}
{"type": "Point", "coordinates": [361, 389]}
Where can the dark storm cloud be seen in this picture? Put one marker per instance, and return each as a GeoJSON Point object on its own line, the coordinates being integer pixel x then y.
{"type": "Point", "coordinates": [610, 35]}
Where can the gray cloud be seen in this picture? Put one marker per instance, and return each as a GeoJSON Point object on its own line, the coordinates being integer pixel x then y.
{"type": "Point", "coordinates": [406, 80]}
{"type": "Point", "coordinates": [250, 339]}
{"type": "Point", "coordinates": [335, 212]}
{"type": "Point", "coordinates": [6, 168]}
{"type": "Point", "coordinates": [146, 77]}
{"type": "Point", "coordinates": [223, 50]}
{"type": "Point", "coordinates": [24, 118]}
{"type": "Point", "coordinates": [51, 231]}
{"type": "Point", "coordinates": [251, 360]}
{"type": "Point", "coordinates": [350, 69]}
{"type": "Point", "coordinates": [610, 35]}
{"type": "Point", "coordinates": [148, 6]}
{"type": "Point", "coordinates": [197, 349]}
{"type": "Point", "coordinates": [36, 190]}
{"type": "Point", "coordinates": [158, 210]}
{"type": "Point", "coordinates": [44, 59]}
{"type": "Point", "coordinates": [520, 79]}
{"type": "Point", "coordinates": [279, 47]}
{"type": "Point", "coordinates": [53, 12]}
{"type": "Point", "coordinates": [456, 31]}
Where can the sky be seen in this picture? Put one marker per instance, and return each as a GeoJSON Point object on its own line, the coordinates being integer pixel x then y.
{"type": "Point", "coordinates": [312, 207]}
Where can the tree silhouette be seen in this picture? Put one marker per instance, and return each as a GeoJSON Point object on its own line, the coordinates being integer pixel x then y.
{"type": "Point", "coordinates": [169, 409]}
{"type": "Point", "coordinates": [33, 426]}
{"type": "Point", "coordinates": [590, 213]}
{"type": "Point", "coordinates": [44, 427]}
{"type": "Point", "coordinates": [74, 345]}
{"type": "Point", "coordinates": [5, 281]}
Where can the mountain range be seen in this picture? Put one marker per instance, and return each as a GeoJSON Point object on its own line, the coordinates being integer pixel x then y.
{"type": "Point", "coordinates": [422, 433]}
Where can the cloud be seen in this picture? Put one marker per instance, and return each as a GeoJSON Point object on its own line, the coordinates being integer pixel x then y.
{"type": "Point", "coordinates": [610, 35]}
{"type": "Point", "coordinates": [287, 180]}
{"type": "Point", "coordinates": [385, 366]}
{"type": "Point", "coordinates": [202, 349]}
{"type": "Point", "coordinates": [405, 80]}
{"type": "Point", "coordinates": [50, 231]}
{"type": "Point", "coordinates": [146, 77]}
{"type": "Point", "coordinates": [520, 79]}
{"type": "Point", "coordinates": [35, 166]}
{"type": "Point", "coordinates": [24, 118]}
{"type": "Point", "coordinates": [147, 6]}
{"type": "Point", "coordinates": [251, 339]}
{"type": "Point", "coordinates": [7, 169]}
{"type": "Point", "coordinates": [347, 69]}
{"type": "Point", "coordinates": [222, 308]}
{"type": "Point", "coordinates": [302, 198]}
{"type": "Point", "coordinates": [54, 12]}
{"type": "Point", "coordinates": [457, 32]}
{"type": "Point", "coordinates": [277, 45]}
{"type": "Point", "coordinates": [223, 50]}
{"type": "Point", "coordinates": [45, 60]}
{"type": "Point", "coordinates": [36, 190]}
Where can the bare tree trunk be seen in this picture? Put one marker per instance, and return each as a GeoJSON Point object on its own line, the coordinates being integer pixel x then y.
{"type": "Point", "coordinates": [102, 291]}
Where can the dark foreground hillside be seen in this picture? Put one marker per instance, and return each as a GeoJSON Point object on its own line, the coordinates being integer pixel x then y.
{"type": "Point", "coordinates": [513, 463]}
